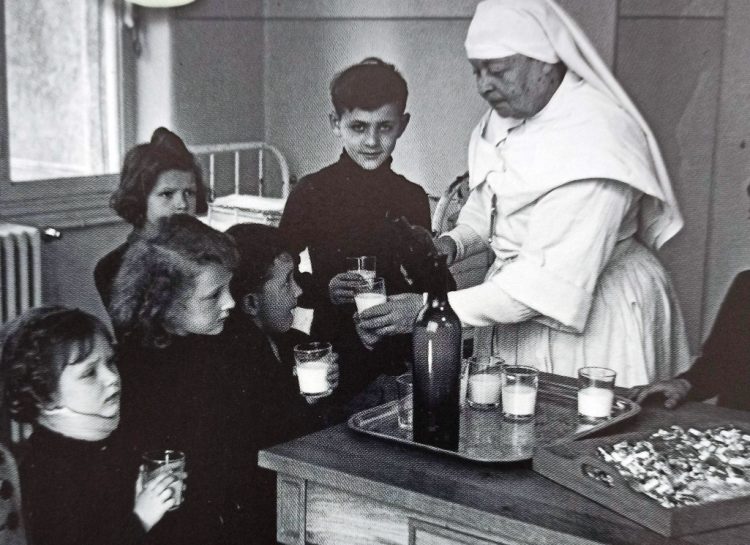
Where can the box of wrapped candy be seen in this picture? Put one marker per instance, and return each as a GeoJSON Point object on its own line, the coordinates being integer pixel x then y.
{"type": "Point", "coordinates": [675, 480]}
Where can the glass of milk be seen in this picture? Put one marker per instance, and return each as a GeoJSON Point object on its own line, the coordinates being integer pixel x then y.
{"type": "Point", "coordinates": [156, 463]}
{"type": "Point", "coordinates": [483, 385]}
{"type": "Point", "coordinates": [370, 294]}
{"type": "Point", "coordinates": [312, 363]}
{"type": "Point", "coordinates": [363, 266]}
{"type": "Point", "coordinates": [519, 387]}
{"type": "Point", "coordinates": [596, 393]}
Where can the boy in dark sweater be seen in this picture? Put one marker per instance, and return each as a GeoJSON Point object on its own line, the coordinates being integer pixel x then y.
{"type": "Point", "coordinates": [266, 402]}
{"type": "Point", "coordinates": [348, 209]}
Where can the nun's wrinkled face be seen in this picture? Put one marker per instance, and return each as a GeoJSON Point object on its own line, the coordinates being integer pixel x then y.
{"type": "Point", "coordinates": [515, 86]}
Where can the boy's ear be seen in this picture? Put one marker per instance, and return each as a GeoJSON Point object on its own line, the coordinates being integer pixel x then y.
{"type": "Point", "coordinates": [250, 304]}
{"type": "Point", "coordinates": [335, 121]}
{"type": "Point", "coordinates": [405, 118]}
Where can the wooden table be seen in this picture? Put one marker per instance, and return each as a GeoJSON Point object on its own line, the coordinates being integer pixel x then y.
{"type": "Point", "coordinates": [340, 487]}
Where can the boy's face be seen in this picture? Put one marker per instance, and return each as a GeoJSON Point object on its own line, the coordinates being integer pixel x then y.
{"type": "Point", "coordinates": [207, 306]}
{"type": "Point", "coordinates": [91, 386]}
{"type": "Point", "coordinates": [272, 306]}
{"type": "Point", "coordinates": [369, 137]}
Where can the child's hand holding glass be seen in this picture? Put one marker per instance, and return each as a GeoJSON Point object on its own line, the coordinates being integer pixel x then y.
{"type": "Point", "coordinates": [360, 273]}
{"type": "Point", "coordinates": [154, 499]}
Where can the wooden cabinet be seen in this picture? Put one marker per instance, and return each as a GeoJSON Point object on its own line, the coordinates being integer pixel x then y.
{"type": "Point", "coordinates": [316, 514]}
{"type": "Point", "coordinates": [337, 487]}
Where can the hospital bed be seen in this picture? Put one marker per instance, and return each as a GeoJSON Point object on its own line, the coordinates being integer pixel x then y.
{"type": "Point", "coordinates": [259, 176]}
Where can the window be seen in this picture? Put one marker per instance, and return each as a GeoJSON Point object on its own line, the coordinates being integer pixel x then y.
{"type": "Point", "coordinates": [62, 98]}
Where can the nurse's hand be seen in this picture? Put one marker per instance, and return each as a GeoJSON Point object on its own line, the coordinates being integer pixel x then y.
{"type": "Point", "coordinates": [394, 317]}
{"type": "Point", "coordinates": [674, 390]}
{"type": "Point", "coordinates": [341, 288]}
{"type": "Point", "coordinates": [366, 337]}
{"type": "Point", "coordinates": [447, 247]}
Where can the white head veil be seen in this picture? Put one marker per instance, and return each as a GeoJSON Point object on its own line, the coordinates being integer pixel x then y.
{"type": "Point", "coordinates": [542, 30]}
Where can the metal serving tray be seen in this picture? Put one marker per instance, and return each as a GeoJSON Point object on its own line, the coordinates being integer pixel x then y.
{"type": "Point", "coordinates": [486, 437]}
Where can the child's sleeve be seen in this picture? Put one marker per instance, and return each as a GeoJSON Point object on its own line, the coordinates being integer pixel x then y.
{"type": "Point", "coordinates": [728, 344]}
{"type": "Point", "coordinates": [131, 533]}
{"type": "Point", "coordinates": [295, 225]}
{"type": "Point", "coordinates": [419, 213]}
{"type": "Point", "coordinates": [59, 512]}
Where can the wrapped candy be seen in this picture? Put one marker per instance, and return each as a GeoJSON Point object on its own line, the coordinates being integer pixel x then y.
{"type": "Point", "coordinates": [678, 467]}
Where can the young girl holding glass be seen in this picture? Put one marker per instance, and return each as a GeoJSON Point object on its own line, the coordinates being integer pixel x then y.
{"type": "Point", "coordinates": [158, 179]}
{"type": "Point", "coordinates": [169, 301]}
{"type": "Point", "coordinates": [59, 374]}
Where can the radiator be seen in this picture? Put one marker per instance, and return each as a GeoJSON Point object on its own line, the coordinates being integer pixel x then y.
{"type": "Point", "coordinates": [20, 283]}
{"type": "Point", "coordinates": [20, 270]}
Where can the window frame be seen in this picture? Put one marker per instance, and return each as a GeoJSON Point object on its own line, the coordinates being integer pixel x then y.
{"type": "Point", "coordinates": [75, 201]}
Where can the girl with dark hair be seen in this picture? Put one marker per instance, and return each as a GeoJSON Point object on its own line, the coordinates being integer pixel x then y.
{"type": "Point", "coordinates": [59, 373]}
{"type": "Point", "coordinates": [169, 302]}
{"type": "Point", "coordinates": [158, 179]}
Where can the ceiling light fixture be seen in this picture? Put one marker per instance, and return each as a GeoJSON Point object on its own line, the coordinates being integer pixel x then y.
{"type": "Point", "coordinates": [160, 3]}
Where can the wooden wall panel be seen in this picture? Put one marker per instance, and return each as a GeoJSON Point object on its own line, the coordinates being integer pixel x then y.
{"type": "Point", "coordinates": [673, 8]}
{"type": "Point", "coordinates": [671, 68]}
{"type": "Point", "coordinates": [729, 242]}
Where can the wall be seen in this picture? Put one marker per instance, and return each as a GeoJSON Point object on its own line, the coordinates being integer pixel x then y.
{"type": "Point", "coordinates": [208, 90]}
{"type": "Point", "coordinates": [677, 92]}
{"type": "Point", "coordinates": [307, 43]}
{"type": "Point", "coordinates": [67, 276]}
{"type": "Point", "coordinates": [695, 91]}
{"type": "Point", "coordinates": [154, 66]}
{"type": "Point", "coordinates": [728, 249]}
{"type": "Point", "coordinates": [682, 60]}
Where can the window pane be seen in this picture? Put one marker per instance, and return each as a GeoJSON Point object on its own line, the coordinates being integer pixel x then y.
{"type": "Point", "coordinates": [61, 59]}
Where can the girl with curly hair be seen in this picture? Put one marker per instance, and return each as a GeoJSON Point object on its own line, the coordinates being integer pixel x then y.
{"type": "Point", "coordinates": [169, 302]}
{"type": "Point", "coordinates": [158, 179]}
{"type": "Point", "coordinates": [59, 374]}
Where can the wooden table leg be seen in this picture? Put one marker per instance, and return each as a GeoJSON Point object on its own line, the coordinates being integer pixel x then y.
{"type": "Point", "coordinates": [290, 509]}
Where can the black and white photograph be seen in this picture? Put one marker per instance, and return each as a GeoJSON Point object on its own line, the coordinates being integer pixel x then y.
{"type": "Point", "coordinates": [374, 272]}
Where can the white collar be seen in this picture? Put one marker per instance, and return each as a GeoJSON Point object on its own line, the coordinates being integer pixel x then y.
{"type": "Point", "coordinates": [85, 427]}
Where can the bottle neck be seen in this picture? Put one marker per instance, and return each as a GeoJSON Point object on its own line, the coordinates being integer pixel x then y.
{"type": "Point", "coordinates": [437, 297]}
{"type": "Point", "coordinates": [438, 286]}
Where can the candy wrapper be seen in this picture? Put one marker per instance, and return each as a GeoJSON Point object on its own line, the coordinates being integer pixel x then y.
{"type": "Point", "coordinates": [685, 467]}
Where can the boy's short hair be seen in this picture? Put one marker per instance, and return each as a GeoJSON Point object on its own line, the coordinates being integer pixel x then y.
{"type": "Point", "coordinates": [158, 271]}
{"type": "Point", "coordinates": [37, 347]}
{"type": "Point", "coordinates": [258, 247]}
{"type": "Point", "coordinates": [141, 169]}
{"type": "Point", "coordinates": [368, 85]}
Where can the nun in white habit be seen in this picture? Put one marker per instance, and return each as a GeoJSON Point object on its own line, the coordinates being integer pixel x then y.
{"type": "Point", "coordinates": [569, 189]}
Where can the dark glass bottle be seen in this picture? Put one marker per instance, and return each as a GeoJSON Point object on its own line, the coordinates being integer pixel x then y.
{"type": "Point", "coordinates": [437, 365]}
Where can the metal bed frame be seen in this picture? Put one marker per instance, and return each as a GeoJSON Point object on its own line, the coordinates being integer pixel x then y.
{"type": "Point", "coordinates": [238, 207]}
